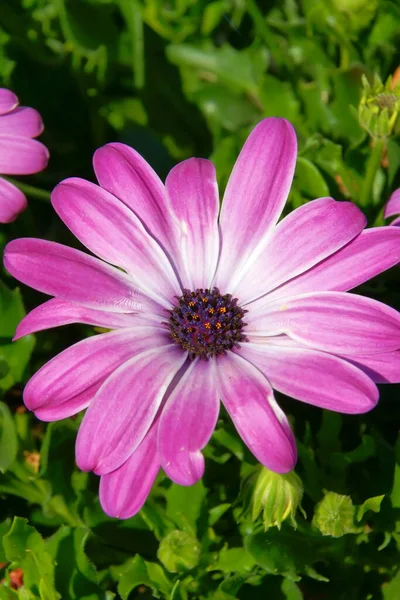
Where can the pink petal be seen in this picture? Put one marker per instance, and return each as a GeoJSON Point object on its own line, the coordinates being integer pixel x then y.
{"type": "Point", "coordinates": [396, 222]}
{"type": "Point", "coordinates": [331, 321]}
{"type": "Point", "coordinates": [124, 491]}
{"type": "Point", "coordinates": [123, 172]}
{"type": "Point", "coordinates": [125, 407]}
{"type": "Point", "coordinates": [393, 205]}
{"type": "Point", "coordinates": [370, 253]}
{"type": "Point", "coordinates": [301, 240]}
{"type": "Point", "coordinates": [21, 156]}
{"type": "Point", "coordinates": [187, 422]}
{"type": "Point", "coordinates": [112, 232]}
{"type": "Point", "coordinates": [55, 313]}
{"type": "Point", "coordinates": [12, 201]}
{"type": "Point", "coordinates": [23, 121]}
{"type": "Point", "coordinates": [381, 368]}
{"type": "Point", "coordinates": [249, 399]}
{"type": "Point", "coordinates": [314, 377]}
{"type": "Point", "coordinates": [82, 367]}
{"type": "Point", "coordinates": [70, 407]}
{"type": "Point", "coordinates": [255, 196]}
{"type": "Point", "coordinates": [72, 275]}
{"type": "Point", "coordinates": [8, 100]}
{"type": "Point", "coordinates": [192, 192]}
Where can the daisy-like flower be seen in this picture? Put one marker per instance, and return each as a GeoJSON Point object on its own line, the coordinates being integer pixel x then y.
{"type": "Point", "coordinates": [392, 207]}
{"type": "Point", "coordinates": [206, 305]}
{"type": "Point", "coordinates": [19, 153]}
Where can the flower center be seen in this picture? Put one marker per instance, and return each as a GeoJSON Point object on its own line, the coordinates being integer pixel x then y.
{"type": "Point", "coordinates": [206, 323]}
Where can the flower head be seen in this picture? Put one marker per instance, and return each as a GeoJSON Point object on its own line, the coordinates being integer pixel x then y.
{"type": "Point", "coordinates": [392, 207]}
{"type": "Point", "coordinates": [379, 107]}
{"type": "Point", "coordinates": [277, 496]}
{"type": "Point", "coordinates": [205, 305]}
{"type": "Point", "coordinates": [19, 153]}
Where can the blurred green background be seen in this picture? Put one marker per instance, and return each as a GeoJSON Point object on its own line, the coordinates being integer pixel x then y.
{"type": "Point", "coordinates": [191, 78]}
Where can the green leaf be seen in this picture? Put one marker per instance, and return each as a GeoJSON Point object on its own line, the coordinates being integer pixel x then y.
{"type": "Point", "coordinates": [233, 559]}
{"type": "Point", "coordinates": [136, 572]}
{"type": "Point", "coordinates": [8, 438]}
{"type": "Point", "coordinates": [391, 590]}
{"type": "Point", "coordinates": [238, 70]}
{"type": "Point", "coordinates": [184, 504]}
{"type": "Point", "coordinates": [25, 548]}
{"type": "Point", "coordinates": [291, 590]}
{"type": "Point", "coordinates": [373, 504]}
{"type": "Point", "coordinates": [17, 354]}
{"type": "Point", "coordinates": [309, 179]}
{"type": "Point", "coordinates": [287, 553]}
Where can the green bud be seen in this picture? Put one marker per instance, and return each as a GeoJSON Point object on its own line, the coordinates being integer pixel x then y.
{"type": "Point", "coordinates": [179, 551]}
{"type": "Point", "coordinates": [274, 495]}
{"type": "Point", "coordinates": [379, 107]}
{"type": "Point", "coordinates": [334, 515]}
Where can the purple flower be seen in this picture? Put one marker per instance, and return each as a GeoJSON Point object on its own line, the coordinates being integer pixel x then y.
{"type": "Point", "coordinates": [204, 306]}
{"type": "Point", "coordinates": [19, 154]}
{"type": "Point", "coordinates": [392, 207]}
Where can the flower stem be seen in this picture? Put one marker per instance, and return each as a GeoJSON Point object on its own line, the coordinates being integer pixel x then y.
{"type": "Point", "coordinates": [30, 190]}
{"type": "Point", "coordinates": [373, 164]}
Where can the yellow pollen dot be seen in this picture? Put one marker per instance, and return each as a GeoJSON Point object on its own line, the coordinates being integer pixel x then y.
{"type": "Point", "coordinates": [239, 315]}
{"type": "Point", "coordinates": [211, 311]}
{"type": "Point", "coordinates": [207, 325]}
{"type": "Point", "coordinates": [222, 309]}
{"type": "Point", "coordinates": [191, 303]}
{"type": "Point", "coordinates": [190, 329]}
{"type": "Point", "coordinates": [196, 317]}
{"type": "Point", "coordinates": [218, 325]}
{"type": "Point", "coordinates": [205, 299]}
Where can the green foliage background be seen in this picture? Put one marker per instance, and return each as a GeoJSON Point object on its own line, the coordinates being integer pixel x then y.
{"type": "Point", "coordinates": [176, 79]}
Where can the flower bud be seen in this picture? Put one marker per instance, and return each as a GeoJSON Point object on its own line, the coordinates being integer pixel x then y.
{"type": "Point", "coordinates": [379, 107]}
{"type": "Point", "coordinates": [179, 551]}
{"type": "Point", "coordinates": [274, 495]}
{"type": "Point", "coordinates": [334, 515]}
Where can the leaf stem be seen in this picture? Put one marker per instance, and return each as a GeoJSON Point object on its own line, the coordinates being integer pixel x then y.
{"type": "Point", "coordinates": [373, 164]}
{"type": "Point", "coordinates": [30, 190]}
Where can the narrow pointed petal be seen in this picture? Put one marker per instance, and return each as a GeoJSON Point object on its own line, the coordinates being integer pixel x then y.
{"type": "Point", "coordinates": [23, 121]}
{"type": "Point", "coordinates": [314, 377]}
{"type": "Point", "coordinates": [187, 422]}
{"type": "Point", "coordinates": [21, 156]}
{"type": "Point", "coordinates": [123, 172]}
{"type": "Point", "coordinates": [124, 491]}
{"type": "Point", "coordinates": [124, 409]}
{"type": "Point", "coordinates": [71, 275]}
{"type": "Point", "coordinates": [113, 232]}
{"type": "Point", "coordinates": [12, 201]}
{"type": "Point", "coordinates": [192, 192]}
{"type": "Point", "coordinates": [381, 368]}
{"type": "Point", "coordinates": [369, 254]}
{"type": "Point", "coordinates": [331, 321]}
{"type": "Point", "coordinates": [392, 207]}
{"type": "Point", "coordinates": [249, 399]}
{"type": "Point", "coordinates": [81, 367]}
{"type": "Point", "coordinates": [8, 101]}
{"type": "Point", "coordinates": [304, 238]}
{"type": "Point", "coordinates": [56, 312]}
{"type": "Point", "coordinates": [255, 196]}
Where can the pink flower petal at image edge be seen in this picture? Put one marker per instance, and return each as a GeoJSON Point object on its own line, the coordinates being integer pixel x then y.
{"type": "Point", "coordinates": [203, 308]}
{"type": "Point", "coordinates": [393, 207]}
{"type": "Point", "coordinates": [19, 154]}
